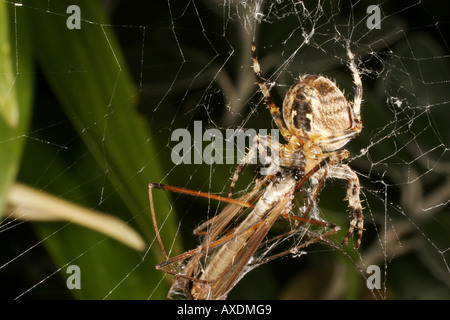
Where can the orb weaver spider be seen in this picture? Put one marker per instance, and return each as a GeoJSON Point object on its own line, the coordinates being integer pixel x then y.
{"type": "Point", "coordinates": [317, 120]}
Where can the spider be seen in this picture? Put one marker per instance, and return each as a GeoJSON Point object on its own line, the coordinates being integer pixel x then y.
{"type": "Point", "coordinates": [317, 120]}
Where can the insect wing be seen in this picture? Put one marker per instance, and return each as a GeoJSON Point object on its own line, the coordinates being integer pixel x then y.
{"type": "Point", "coordinates": [241, 264]}
{"type": "Point", "coordinates": [197, 257]}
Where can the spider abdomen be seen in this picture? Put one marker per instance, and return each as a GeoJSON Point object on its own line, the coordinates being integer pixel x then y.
{"type": "Point", "coordinates": [315, 108]}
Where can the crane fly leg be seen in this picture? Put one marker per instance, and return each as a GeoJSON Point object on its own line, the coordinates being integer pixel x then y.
{"type": "Point", "coordinates": [237, 203]}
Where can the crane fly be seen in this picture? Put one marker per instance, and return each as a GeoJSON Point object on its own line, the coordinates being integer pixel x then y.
{"type": "Point", "coordinates": [226, 254]}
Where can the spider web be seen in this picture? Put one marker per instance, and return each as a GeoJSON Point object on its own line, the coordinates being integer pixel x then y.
{"type": "Point", "coordinates": [191, 62]}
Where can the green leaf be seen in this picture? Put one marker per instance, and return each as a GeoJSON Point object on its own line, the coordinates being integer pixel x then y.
{"type": "Point", "coordinates": [87, 73]}
{"type": "Point", "coordinates": [16, 92]}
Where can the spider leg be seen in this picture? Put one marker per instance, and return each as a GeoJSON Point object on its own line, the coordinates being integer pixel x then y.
{"type": "Point", "coordinates": [274, 111]}
{"type": "Point", "coordinates": [357, 100]}
{"type": "Point", "coordinates": [259, 146]}
{"type": "Point", "coordinates": [343, 171]}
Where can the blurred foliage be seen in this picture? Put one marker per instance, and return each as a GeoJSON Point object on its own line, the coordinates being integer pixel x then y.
{"type": "Point", "coordinates": [97, 153]}
{"type": "Point", "coordinates": [16, 91]}
{"type": "Point", "coordinates": [104, 113]}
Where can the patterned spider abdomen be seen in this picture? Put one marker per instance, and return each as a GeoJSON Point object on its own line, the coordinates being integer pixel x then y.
{"type": "Point", "coordinates": [315, 108]}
